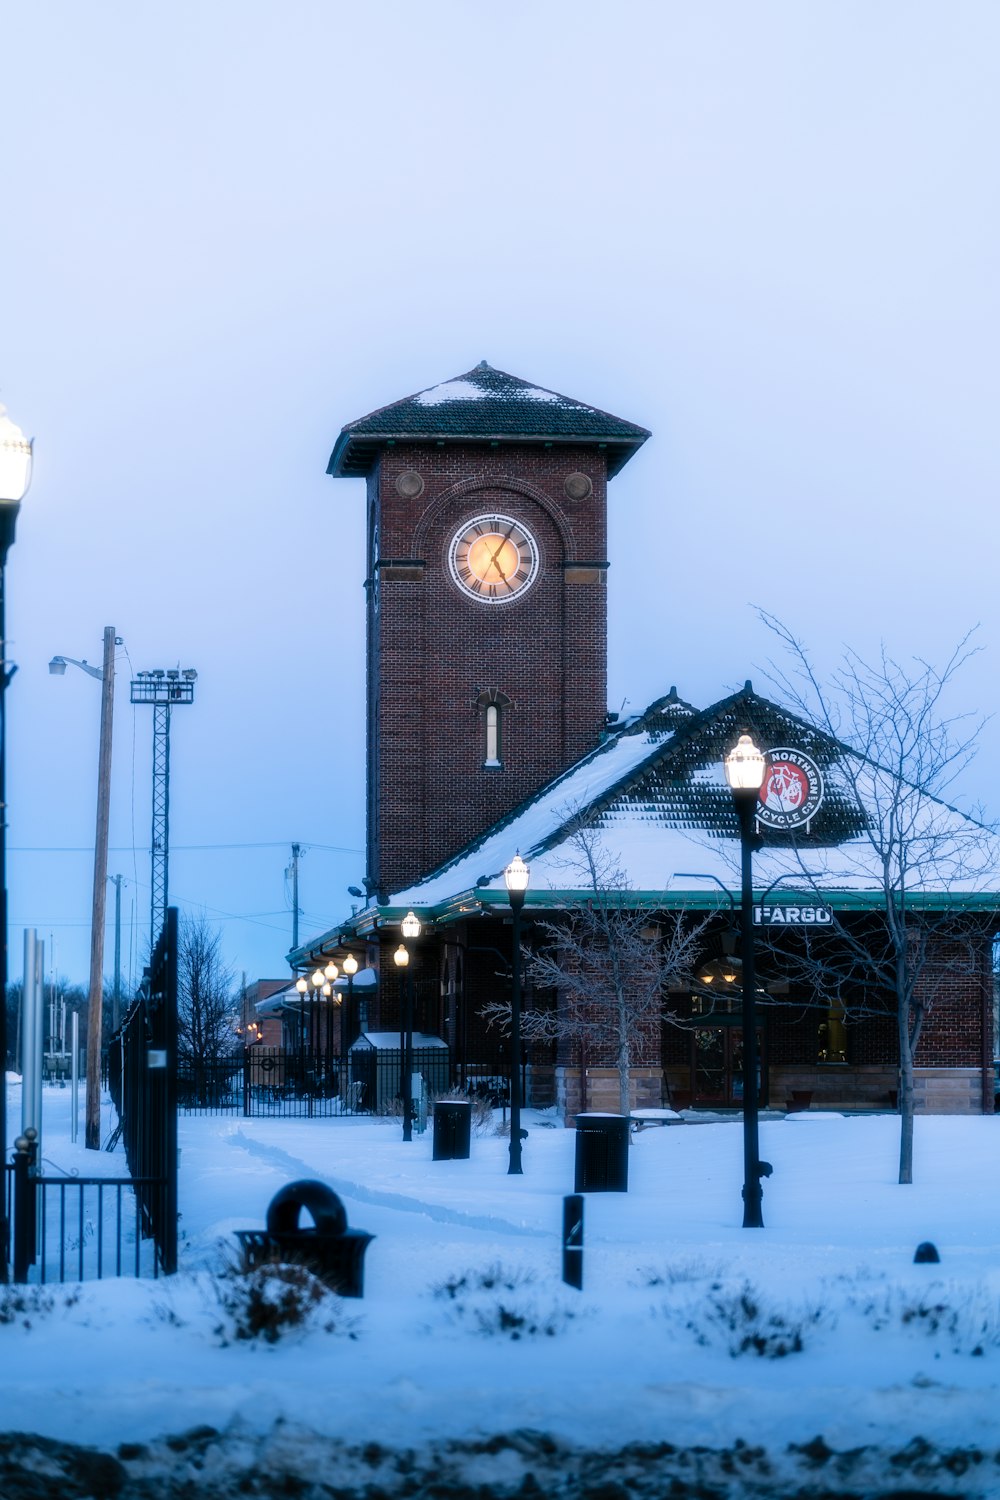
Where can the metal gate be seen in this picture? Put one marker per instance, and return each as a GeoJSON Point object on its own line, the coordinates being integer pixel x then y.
{"type": "Point", "coordinates": [78, 1228]}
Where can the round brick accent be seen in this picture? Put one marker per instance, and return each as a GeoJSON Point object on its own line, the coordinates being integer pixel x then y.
{"type": "Point", "coordinates": [577, 486]}
{"type": "Point", "coordinates": [409, 484]}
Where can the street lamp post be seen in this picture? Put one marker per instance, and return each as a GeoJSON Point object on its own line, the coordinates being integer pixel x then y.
{"type": "Point", "coordinates": [302, 989]}
{"type": "Point", "coordinates": [15, 476]}
{"type": "Point", "coordinates": [95, 1002]}
{"type": "Point", "coordinates": [318, 980]}
{"type": "Point", "coordinates": [403, 957]}
{"type": "Point", "coordinates": [350, 968]}
{"type": "Point", "coordinates": [745, 766]}
{"type": "Point", "coordinates": [516, 877]}
{"type": "Point", "coordinates": [332, 998]}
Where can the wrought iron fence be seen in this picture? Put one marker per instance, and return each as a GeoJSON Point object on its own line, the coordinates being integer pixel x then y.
{"type": "Point", "coordinates": [267, 1081]}
{"type": "Point", "coordinates": [274, 1082]}
{"type": "Point", "coordinates": [142, 1077]}
{"type": "Point", "coordinates": [81, 1228]}
{"type": "Point", "coordinates": [75, 1228]}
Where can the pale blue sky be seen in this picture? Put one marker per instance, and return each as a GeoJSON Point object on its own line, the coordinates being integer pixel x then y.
{"type": "Point", "coordinates": [768, 232]}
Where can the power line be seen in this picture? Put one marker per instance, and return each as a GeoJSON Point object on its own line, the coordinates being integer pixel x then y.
{"type": "Point", "coordinates": [128, 848]}
{"type": "Point", "coordinates": [251, 917]}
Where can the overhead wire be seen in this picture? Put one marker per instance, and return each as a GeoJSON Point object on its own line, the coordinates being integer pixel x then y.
{"type": "Point", "coordinates": [126, 848]}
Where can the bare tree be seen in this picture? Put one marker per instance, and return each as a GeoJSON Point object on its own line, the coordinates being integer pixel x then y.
{"type": "Point", "coordinates": [207, 1006]}
{"type": "Point", "coordinates": [610, 964]}
{"type": "Point", "coordinates": [919, 855]}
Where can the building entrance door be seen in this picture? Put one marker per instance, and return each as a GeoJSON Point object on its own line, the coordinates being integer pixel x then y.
{"type": "Point", "coordinates": [717, 1066]}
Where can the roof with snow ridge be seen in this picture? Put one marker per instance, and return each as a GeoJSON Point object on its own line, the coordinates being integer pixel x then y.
{"type": "Point", "coordinates": [484, 405]}
{"type": "Point", "coordinates": [655, 798]}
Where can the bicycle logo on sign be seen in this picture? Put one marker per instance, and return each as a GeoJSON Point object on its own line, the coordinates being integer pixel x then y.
{"type": "Point", "coordinates": [792, 791]}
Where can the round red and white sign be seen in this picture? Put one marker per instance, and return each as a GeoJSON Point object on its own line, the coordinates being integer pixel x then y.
{"type": "Point", "coordinates": [792, 791]}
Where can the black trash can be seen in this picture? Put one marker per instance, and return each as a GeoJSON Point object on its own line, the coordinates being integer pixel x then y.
{"type": "Point", "coordinates": [452, 1129]}
{"type": "Point", "coordinates": [335, 1253]}
{"type": "Point", "coordinates": [601, 1153]}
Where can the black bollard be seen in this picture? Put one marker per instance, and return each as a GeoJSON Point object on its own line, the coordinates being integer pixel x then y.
{"type": "Point", "coordinates": [572, 1271]}
{"type": "Point", "coordinates": [926, 1254]}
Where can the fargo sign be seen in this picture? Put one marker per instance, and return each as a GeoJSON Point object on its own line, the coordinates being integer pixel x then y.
{"type": "Point", "coordinates": [792, 916]}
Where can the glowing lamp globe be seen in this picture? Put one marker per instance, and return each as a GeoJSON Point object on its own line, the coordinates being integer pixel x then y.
{"type": "Point", "coordinates": [745, 766]}
{"type": "Point", "coordinates": [517, 875]}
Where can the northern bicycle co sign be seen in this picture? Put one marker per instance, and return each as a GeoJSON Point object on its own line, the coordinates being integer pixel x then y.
{"type": "Point", "coordinates": [792, 792]}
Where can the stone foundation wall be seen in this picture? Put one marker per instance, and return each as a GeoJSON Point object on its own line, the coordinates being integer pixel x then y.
{"type": "Point", "coordinates": [646, 1090]}
{"type": "Point", "coordinates": [871, 1085]}
{"type": "Point", "coordinates": [540, 1085]}
{"type": "Point", "coordinates": [938, 1091]}
{"type": "Point", "coordinates": [948, 1091]}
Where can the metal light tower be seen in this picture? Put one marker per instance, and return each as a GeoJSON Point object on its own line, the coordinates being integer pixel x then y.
{"type": "Point", "coordinates": [162, 691]}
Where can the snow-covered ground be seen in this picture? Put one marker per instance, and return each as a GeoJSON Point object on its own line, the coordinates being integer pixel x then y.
{"type": "Point", "coordinates": [690, 1332]}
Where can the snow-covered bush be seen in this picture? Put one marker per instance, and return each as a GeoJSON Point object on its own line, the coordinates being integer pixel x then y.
{"type": "Point", "coordinates": [735, 1314]}
{"type": "Point", "coordinates": [275, 1300]}
{"type": "Point", "coordinates": [678, 1273]}
{"type": "Point", "coordinates": [964, 1319]}
{"type": "Point", "coordinates": [22, 1304]}
{"type": "Point", "coordinates": [713, 1310]}
{"type": "Point", "coordinates": [498, 1301]}
{"type": "Point", "coordinates": [750, 1326]}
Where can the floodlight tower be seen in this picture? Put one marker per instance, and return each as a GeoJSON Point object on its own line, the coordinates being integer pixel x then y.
{"type": "Point", "coordinates": [163, 691]}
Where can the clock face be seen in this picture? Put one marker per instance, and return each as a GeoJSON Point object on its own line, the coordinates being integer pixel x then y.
{"type": "Point", "coordinates": [494, 559]}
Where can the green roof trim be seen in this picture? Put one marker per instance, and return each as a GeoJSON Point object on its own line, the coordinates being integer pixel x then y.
{"type": "Point", "coordinates": [478, 903]}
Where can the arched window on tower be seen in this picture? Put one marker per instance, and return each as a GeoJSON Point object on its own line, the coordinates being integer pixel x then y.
{"type": "Point", "coordinates": [492, 706]}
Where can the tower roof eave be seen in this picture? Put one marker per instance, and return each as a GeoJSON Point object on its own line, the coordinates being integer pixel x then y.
{"type": "Point", "coordinates": [354, 457]}
{"type": "Point", "coordinates": [484, 406]}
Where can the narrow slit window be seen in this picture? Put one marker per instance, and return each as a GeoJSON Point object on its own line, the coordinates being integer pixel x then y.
{"type": "Point", "coordinates": [492, 758]}
{"type": "Point", "coordinates": [491, 705]}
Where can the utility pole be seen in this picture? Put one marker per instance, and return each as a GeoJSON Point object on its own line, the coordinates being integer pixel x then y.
{"type": "Point", "coordinates": [296, 851]}
{"type": "Point", "coordinates": [116, 1004]}
{"type": "Point", "coordinates": [92, 1133]}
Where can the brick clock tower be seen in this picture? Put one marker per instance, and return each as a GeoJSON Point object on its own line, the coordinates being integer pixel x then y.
{"type": "Point", "coordinates": [487, 617]}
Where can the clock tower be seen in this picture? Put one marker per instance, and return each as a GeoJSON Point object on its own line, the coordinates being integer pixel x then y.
{"type": "Point", "coordinates": [487, 618]}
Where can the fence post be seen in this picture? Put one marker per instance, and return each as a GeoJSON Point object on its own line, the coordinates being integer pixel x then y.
{"type": "Point", "coordinates": [24, 1207]}
{"type": "Point", "coordinates": [168, 1242]}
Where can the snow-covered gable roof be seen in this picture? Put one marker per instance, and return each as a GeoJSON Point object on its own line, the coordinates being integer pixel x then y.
{"type": "Point", "coordinates": [655, 796]}
{"type": "Point", "coordinates": [484, 404]}
{"type": "Point", "coordinates": [388, 1041]}
{"type": "Point", "coordinates": [275, 1003]}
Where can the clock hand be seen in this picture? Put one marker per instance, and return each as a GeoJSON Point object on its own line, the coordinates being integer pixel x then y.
{"type": "Point", "coordinates": [493, 556]}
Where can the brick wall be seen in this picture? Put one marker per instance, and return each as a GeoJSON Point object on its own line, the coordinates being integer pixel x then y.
{"type": "Point", "coordinates": [954, 985]}
{"type": "Point", "coordinates": [432, 650]}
